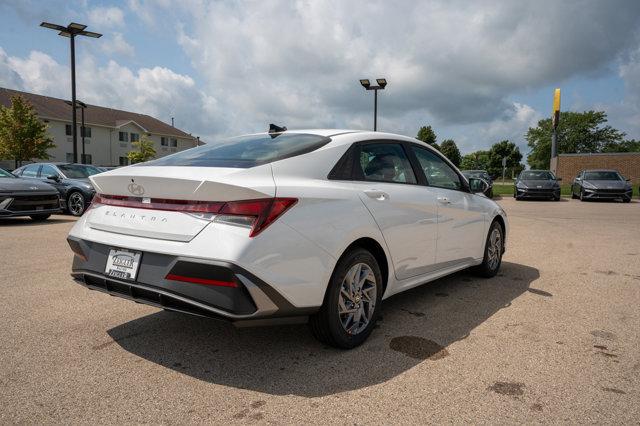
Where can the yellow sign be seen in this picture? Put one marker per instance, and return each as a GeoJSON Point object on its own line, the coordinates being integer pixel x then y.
{"type": "Point", "coordinates": [556, 101]}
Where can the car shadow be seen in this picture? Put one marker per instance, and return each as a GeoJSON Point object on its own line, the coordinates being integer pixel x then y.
{"type": "Point", "coordinates": [416, 325]}
{"type": "Point", "coordinates": [27, 221]}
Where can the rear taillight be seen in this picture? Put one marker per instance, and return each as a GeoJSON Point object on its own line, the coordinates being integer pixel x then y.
{"type": "Point", "coordinates": [253, 214]}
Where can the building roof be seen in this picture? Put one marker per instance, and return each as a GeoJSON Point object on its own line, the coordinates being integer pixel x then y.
{"type": "Point", "coordinates": [57, 109]}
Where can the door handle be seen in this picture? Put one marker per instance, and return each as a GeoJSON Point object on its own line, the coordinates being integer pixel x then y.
{"type": "Point", "coordinates": [377, 194]}
{"type": "Point", "coordinates": [444, 200]}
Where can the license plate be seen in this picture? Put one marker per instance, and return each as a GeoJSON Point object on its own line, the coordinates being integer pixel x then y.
{"type": "Point", "coordinates": [123, 264]}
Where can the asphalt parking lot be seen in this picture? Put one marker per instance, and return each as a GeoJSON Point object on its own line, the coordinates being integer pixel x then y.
{"type": "Point", "coordinates": [554, 338]}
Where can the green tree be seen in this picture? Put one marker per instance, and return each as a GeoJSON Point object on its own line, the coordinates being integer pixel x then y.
{"type": "Point", "coordinates": [578, 132]}
{"type": "Point", "coordinates": [451, 151]}
{"type": "Point", "coordinates": [23, 136]}
{"type": "Point", "coordinates": [144, 151]}
{"type": "Point", "coordinates": [428, 135]}
{"type": "Point", "coordinates": [478, 160]}
{"type": "Point", "coordinates": [500, 150]}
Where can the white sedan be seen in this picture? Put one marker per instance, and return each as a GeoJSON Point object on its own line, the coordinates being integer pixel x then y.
{"type": "Point", "coordinates": [276, 227]}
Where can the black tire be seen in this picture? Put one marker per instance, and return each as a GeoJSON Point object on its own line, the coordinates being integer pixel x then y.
{"type": "Point", "coordinates": [76, 203]}
{"type": "Point", "coordinates": [582, 195]}
{"type": "Point", "coordinates": [326, 325]}
{"type": "Point", "coordinates": [626, 200]}
{"type": "Point", "coordinates": [485, 269]}
{"type": "Point", "coordinates": [555, 198]}
{"type": "Point", "coordinates": [573, 195]}
{"type": "Point", "coordinates": [39, 217]}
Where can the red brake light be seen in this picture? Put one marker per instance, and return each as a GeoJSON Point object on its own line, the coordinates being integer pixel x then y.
{"type": "Point", "coordinates": [263, 211]}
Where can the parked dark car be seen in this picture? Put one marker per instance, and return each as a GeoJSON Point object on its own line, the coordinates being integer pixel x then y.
{"type": "Point", "coordinates": [537, 184]}
{"type": "Point", "coordinates": [25, 197]}
{"type": "Point", "coordinates": [482, 174]}
{"type": "Point", "coordinates": [601, 184]}
{"type": "Point", "coordinates": [70, 179]}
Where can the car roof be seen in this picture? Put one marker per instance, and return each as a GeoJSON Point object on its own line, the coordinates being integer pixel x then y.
{"type": "Point", "coordinates": [601, 170]}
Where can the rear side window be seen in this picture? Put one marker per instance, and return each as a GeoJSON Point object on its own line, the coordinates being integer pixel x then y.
{"type": "Point", "coordinates": [385, 162]}
{"type": "Point", "coordinates": [245, 151]}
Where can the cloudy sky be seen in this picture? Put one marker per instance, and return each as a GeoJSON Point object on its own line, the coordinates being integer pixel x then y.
{"type": "Point", "coordinates": [478, 72]}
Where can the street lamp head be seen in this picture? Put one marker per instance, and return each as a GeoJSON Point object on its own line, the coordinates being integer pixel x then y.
{"type": "Point", "coordinates": [90, 34]}
{"type": "Point", "coordinates": [382, 82]}
{"type": "Point", "coordinates": [53, 26]}
{"type": "Point", "coordinates": [77, 27]}
{"type": "Point", "coordinates": [365, 83]}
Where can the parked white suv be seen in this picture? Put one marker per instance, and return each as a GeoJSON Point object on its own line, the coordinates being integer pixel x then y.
{"type": "Point", "coordinates": [318, 224]}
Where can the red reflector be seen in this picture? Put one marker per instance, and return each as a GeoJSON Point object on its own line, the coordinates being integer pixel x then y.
{"type": "Point", "coordinates": [204, 281]}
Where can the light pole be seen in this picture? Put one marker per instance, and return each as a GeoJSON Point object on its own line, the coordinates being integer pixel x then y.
{"type": "Point", "coordinates": [72, 30]}
{"type": "Point", "coordinates": [382, 82]}
{"type": "Point", "coordinates": [83, 132]}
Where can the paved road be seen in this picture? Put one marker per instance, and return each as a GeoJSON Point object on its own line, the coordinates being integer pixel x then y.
{"type": "Point", "coordinates": [554, 338]}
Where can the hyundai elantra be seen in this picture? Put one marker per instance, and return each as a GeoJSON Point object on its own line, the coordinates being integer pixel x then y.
{"type": "Point", "coordinates": [317, 225]}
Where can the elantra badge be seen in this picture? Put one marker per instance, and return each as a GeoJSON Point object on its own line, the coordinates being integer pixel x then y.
{"type": "Point", "coordinates": [135, 189]}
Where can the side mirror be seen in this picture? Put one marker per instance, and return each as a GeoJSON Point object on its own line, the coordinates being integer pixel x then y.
{"type": "Point", "coordinates": [477, 185]}
{"type": "Point", "coordinates": [55, 178]}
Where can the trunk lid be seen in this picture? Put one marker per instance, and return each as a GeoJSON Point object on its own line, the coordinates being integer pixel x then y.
{"type": "Point", "coordinates": [210, 184]}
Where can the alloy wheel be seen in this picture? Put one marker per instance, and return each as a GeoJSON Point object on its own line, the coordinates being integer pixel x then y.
{"type": "Point", "coordinates": [494, 252]}
{"type": "Point", "coordinates": [76, 204]}
{"type": "Point", "coordinates": [357, 299]}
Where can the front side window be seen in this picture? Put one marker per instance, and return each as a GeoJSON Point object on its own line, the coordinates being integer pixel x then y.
{"type": "Point", "coordinates": [385, 162]}
{"type": "Point", "coordinates": [438, 173]}
{"type": "Point", "coordinates": [31, 170]}
{"type": "Point", "coordinates": [244, 151]}
{"type": "Point", "coordinates": [48, 170]}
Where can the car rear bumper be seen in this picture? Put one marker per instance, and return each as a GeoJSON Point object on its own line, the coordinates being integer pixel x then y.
{"type": "Point", "coordinates": [250, 300]}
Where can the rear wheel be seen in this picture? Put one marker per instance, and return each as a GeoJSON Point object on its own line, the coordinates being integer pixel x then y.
{"type": "Point", "coordinates": [493, 250]}
{"type": "Point", "coordinates": [39, 217]}
{"type": "Point", "coordinates": [350, 308]}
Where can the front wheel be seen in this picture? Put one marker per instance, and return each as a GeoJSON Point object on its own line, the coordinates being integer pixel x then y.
{"type": "Point", "coordinates": [582, 198]}
{"type": "Point", "coordinates": [350, 308]}
{"type": "Point", "coordinates": [76, 203]}
{"type": "Point", "coordinates": [494, 247]}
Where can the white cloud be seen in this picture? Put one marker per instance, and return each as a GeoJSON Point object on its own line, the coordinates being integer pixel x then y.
{"type": "Point", "coordinates": [158, 91]}
{"type": "Point", "coordinates": [116, 45]}
{"type": "Point", "coordinates": [106, 17]}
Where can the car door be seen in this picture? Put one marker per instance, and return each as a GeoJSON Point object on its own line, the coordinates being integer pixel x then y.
{"type": "Point", "coordinates": [461, 215]}
{"type": "Point", "coordinates": [49, 170]}
{"type": "Point", "coordinates": [405, 211]}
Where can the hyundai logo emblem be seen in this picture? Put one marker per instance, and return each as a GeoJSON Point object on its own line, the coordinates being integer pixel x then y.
{"type": "Point", "coordinates": [135, 189]}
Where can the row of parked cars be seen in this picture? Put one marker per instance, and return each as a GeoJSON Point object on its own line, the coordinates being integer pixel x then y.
{"type": "Point", "coordinates": [543, 184]}
{"type": "Point", "coordinates": [39, 190]}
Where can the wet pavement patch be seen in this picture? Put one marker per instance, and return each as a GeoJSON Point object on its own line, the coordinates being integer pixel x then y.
{"type": "Point", "coordinates": [508, 388]}
{"type": "Point", "coordinates": [418, 347]}
{"type": "Point", "coordinates": [414, 313]}
{"type": "Point", "coordinates": [614, 390]}
{"type": "Point", "coordinates": [606, 272]}
{"type": "Point", "coordinates": [539, 292]}
{"type": "Point", "coordinates": [607, 335]}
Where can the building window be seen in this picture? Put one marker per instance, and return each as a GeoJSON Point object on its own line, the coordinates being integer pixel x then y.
{"type": "Point", "coordinates": [68, 129]}
{"type": "Point", "coordinates": [86, 132]}
{"type": "Point", "coordinates": [86, 158]}
{"type": "Point", "coordinates": [124, 161]}
{"type": "Point", "coordinates": [69, 157]}
{"type": "Point", "coordinates": [174, 142]}
{"type": "Point", "coordinates": [164, 141]}
{"type": "Point", "coordinates": [135, 137]}
{"type": "Point", "coordinates": [123, 137]}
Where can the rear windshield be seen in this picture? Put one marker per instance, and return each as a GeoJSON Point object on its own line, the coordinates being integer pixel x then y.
{"type": "Point", "coordinates": [602, 176]}
{"type": "Point", "coordinates": [245, 151]}
{"type": "Point", "coordinates": [537, 175]}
